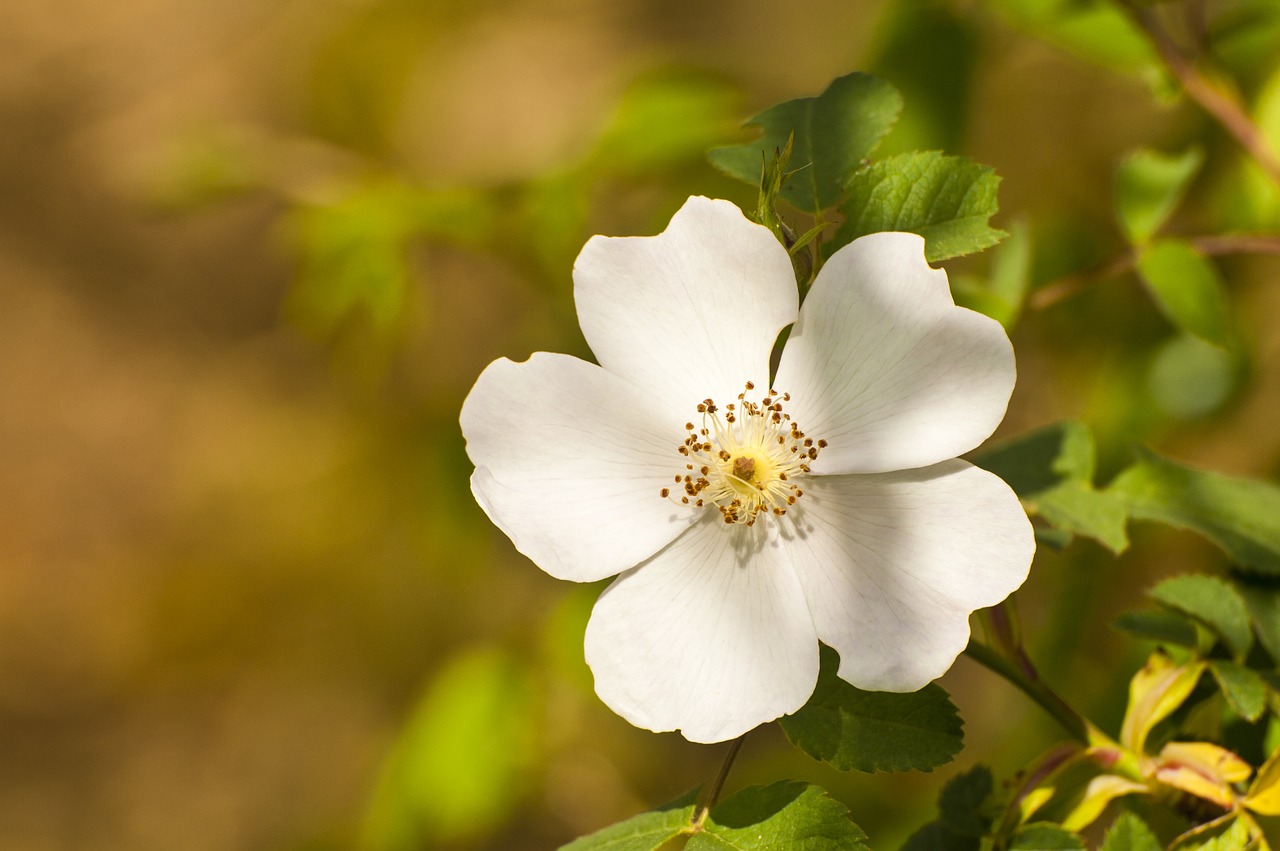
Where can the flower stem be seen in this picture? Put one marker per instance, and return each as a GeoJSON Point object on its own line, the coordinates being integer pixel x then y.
{"type": "Point", "coordinates": [1221, 104]}
{"type": "Point", "coordinates": [1022, 674]}
{"type": "Point", "coordinates": [700, 814]}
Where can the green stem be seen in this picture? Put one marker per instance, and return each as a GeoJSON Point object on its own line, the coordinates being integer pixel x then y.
{"type": "Point", "coordinates": [1022, 675]}
{"type": "Point", "coordinates": [700, 814]}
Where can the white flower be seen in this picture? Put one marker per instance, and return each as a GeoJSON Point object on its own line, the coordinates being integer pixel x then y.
{"type": "Point", "coordinates": [751, 519]}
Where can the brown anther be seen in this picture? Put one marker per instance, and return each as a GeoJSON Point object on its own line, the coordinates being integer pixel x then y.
{"type": "Point", "coordinates": [666, 492]}
{"type": "Point", "coordinates": [751, 385]}
{"type": "Point", "coordinates": [822, 444]}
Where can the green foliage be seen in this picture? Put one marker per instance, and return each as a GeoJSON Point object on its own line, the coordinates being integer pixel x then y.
{"type": "Point", "coordinates": [1187, 289]}
{"type": "Point", "coordinates": [875, 731]}
{"type": "Point", "coordinates": [1263, 600]}
{"type": "Point", "coordinates": [1097, 32]}
{"type": "Point", "coordinates": [1241, 516]}
{"type": "Point", "coordinates": [963, 819]}
{"type": "Point", "coordinates": [645, 832]}
{"type": "Point", "coordinates": [1130, 833]}
{"type": "Point", "coordinates": [1160, 626]}
{"type": "Point", "coordinates": [1229, 833]}
{"type": "Point", "coordinates": [1002, 294]}
{"type": "Point", "coordinates": [786, 815]}
{"type": "Point", "coordinates": [355, 250]}
{"type": "Point", "coordinates": [456, 768]}
{"type": "Point", "coordinates": [1213, 603]}
{"type": "Point", "coordinates": [834, 133]}
{"type": "Point", "coordinates": [665, 120]}
{"type": "Point", "coordinates": [1244, 689]}
{"type": "Point", "coordinates": [947, 200]}
{"type": "Point", "coordinates": [1052, 470]}
{"type": "Point", "coordinates": [1043, 836]}
{"type": "Point", "coordinates": [1149, 186]}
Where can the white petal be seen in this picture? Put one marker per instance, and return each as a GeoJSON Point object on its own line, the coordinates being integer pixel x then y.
{"type": "Point", "coordinates": [712, 636]}
{"type": "Point", "coordinates": [894, 563]}
{"type": "Point", "coordinates": [570, 463]}
{"type": "Point", "coordinates": [691, 313]}
{"type": "Point", "coordinates": [884, 367]}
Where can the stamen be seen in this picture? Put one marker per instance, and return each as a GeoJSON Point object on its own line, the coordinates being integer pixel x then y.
{"type": "Point", "coordinates": [746, 460]}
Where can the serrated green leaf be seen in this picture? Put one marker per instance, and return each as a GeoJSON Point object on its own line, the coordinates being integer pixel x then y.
{"type": "Point", "coordinates": [1045, 837]}
{"type": "Point", "coordinates": [947, 200]}
{"type": "Point", "coordinates": [834, 133]}
{"type": "Point", "coordinates": [1159, 625]}
{"type": "Point", "coordinates": [785, 815]}
{"type": "Point", "coordinates": [1039, 460]}
{"type": "Point", "coordinates": [1077, 509]}
{"type": "Point", "coordinates": [645, 832]}
{"type": "Point", "coordinates": [1051, 469]}
{"type": "Point", "coordinates": [1241, 516]}
{"type": "Point", "coordinates": [1245, 691]}
{"type": "Point", "coordinates": [1187, 289]}
{"type": "Point", "coordinates": [1130, 833]}
{"type": "Point", "coordinates": [962, 817]}
{"type": "Point", "coordinates": [875, 731]}
{"type": "Point", "coordinates": [1149, 185]}
{"type": "Point", "coordinates": [1212, 602]}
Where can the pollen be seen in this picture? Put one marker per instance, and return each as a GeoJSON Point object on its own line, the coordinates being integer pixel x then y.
{"type": "Point", "coordinates": [746, 460]}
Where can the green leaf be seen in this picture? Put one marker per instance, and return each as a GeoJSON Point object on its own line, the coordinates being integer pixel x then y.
{"type": "Point", "coordinates": [834, 133]}
{"type": "Point", "coordinates": [455, 772]}
{"type": "Point", "coordinates": [875, 731]}
{"type": "Point", "coordinates": [1212, 602]}
{"type": "Point", "coordinates": [785, 815]}
{"type": "Point", "coordinates": [645, 832]}
{"type": "Point", "coordinates": [947, 200]}
{"type": "Point", "coordinates": [1187, 289]}
{"type": "Point", "coordinates": [1263, 601]}
{"type": "Point", "coordinates": [1244, 689]}
{"type": "Point", "coordinates": [1158, 625]}
{"type": "Point", "coordinates": [1149, 185]}
{"type": "Point", "coordinates": [1130, 833]}
{"type": "Point", "coordinates": [1228, 833]}
{"type": "Point", "coordinates": [1241, 516]}
{"type": "Point", "coordinates": [1045, 837]}
{"type": "Point", "coordinates": [963, 819]}
{"type": "Point", "coordinates": [1052, 469]}
{"type": "Point", "coordinates": [1099, 33]}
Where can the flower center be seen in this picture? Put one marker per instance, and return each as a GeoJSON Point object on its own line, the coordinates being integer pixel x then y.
{"type": "Point", "coordinates": [746, 459]}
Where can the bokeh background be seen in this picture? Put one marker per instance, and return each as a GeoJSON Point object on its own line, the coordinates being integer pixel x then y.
{"type": "Point", "coordinates": [252, 257]}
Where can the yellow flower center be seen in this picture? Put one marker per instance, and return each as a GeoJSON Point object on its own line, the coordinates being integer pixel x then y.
{"type": "Point", "coordinates": [744, 460]}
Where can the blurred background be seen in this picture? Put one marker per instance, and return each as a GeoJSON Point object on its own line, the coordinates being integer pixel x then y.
{"type": "Point", "coordinates": [252, 257]}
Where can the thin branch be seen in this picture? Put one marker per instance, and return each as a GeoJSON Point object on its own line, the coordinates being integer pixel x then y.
{"type": "Point", "coordinates": [1211, 246]}
{"type": "Point", "coordinates": [1221, 104]}
{"type": "Point", "coordinates": [1033, 687]}
{"type": "Point", "coordinates": [700, 814]}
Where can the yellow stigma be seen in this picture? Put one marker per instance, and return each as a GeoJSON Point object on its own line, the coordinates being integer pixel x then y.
{"type": "Point", "coordinates": [744, 460]}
